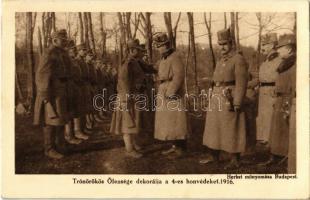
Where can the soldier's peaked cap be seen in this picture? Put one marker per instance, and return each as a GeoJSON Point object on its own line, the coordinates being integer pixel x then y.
{"type": "Point", "coordinates": [71, 44]}
{"type": "Point", "coordinates": [81, 47]}
{"type": "Point", "coordinates": [61, 34]}
{"type": "Point", "coordinates": [223, 36]}
{"type": "Point", "coordinates": [286, 39]}
{"type": "Point", "coordinates": [134, 43]}
{"type": "Point", "coordinates": [160, 39]}
{"type": "Point", "coordinates": [269, 38]}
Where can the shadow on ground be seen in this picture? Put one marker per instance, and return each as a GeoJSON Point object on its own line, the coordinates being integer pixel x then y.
{"type": "Point", "coordinates": [103, 153]}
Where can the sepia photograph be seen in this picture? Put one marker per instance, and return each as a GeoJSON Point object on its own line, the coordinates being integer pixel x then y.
{"type": "Point", "coordinates": [155, 92]}
{"type": "Point", "coordinates": [155, 99]}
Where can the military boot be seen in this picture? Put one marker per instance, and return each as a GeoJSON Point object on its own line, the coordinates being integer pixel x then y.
{"type": "Point", "coordinates": [49, 143]}
{"type": "Point", "coordinates": [130, 151]}
{"type": "Point", "coordinates": [77, 129]}
{"type": "Point", "coordinates": [69, 136]}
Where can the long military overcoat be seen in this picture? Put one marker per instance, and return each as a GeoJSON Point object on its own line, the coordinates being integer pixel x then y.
{"type": "Point", "coordinates": [86, 88]}
{"type": "Point", "coordinates": [77, 98]}
{"type": "Point", "coordinates": [170, 116]}
{"type": "Point", "coordinates": [279, 138]}
{"type": "Point", "coordinates": [52, 86]}
{"type": "Point", "coordinates": [126, 115]}
{"type": "Point", "coordinates": [225, 129]}
{"type": "Point", "coordinates": [267, 74]}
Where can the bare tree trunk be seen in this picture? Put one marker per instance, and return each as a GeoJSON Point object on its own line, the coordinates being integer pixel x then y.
{"type": "Point", "coordinates": [40, 41]}
{"type": "Point", "coordinates": [208, 26]}
{"type": "Point", "coordinates": [295, 22]}
{"type": "Point", "coordinates": [232, 29]}
{"type": "Point", "coordinates": [225, 20]}
{"type": "Point", "coordinates": [192, 42]}
{"type": "Point", "coordinates": [53, 19]}
{"type": "Point", "coordinates": [148, 34]}
{"type": "Point", "coordinates": [103, 36]}
{"type": "Point", "coordinates": [30, 59]}
{"type": "Point", "coordinates": [168, 23]}
{"type": "Point", "coordinates": [237, 32]}
{"type": "Point", "coordinates": [19, 90]}
{"type": "Point", "coordinates": [86, 37]}
{"type": "Point", "coordinates": [128, 28]}
{"type": "Point", "coordinates": [174, 45]}
{"type": "Point", "coordinates": [91, 33]}
{"type": "Point", "coordinates": [136, 24]}
{"type": "Point", "coordinates": [122, 42]}
{"type": "Point", "coordinates": [260, 29]}
{"type": "Point", "coordinates": [187, 61]}
{"type": "Point", "coordinates": [81, 28]}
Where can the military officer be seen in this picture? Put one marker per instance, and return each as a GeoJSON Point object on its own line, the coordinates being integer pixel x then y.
{"type": "Point", "coordinates": [51, 100]}
{"type": "Point", "coordinates": [148, 116]}
{"type": "Point", "coordinates": [285, 89]}
{"type": "Point", "coordinates": [77, 97]}
{"type": "Point", "coordinates": [225, 128]}
{"type": "Point", "coordinates": [267, 77]}
{"type": "Point", "coordinates": [126, 116]}
{"type": "Point", "coordinates": [170, 116]}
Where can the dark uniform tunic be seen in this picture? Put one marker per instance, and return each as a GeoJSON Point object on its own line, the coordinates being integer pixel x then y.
{"type": "Point", "coordinates": [52, 85]}
{"type": "Point", "coordinates": [126, 116]}
{"type": "Point", "coordinates": [86, 87]}
{"type": "Point", "coordinates": [77, 97]}
{"type": "Point", "coordinates": [224, 129]}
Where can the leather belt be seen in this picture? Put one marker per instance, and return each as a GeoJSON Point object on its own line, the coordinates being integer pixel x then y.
{"type": "Point", "coordinates": [227, 83]}
{"type": "Point", "coordinates": [267, 84]}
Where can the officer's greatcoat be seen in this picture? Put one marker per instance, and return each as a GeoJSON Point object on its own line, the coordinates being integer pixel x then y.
{"type": "Point", "coordinates": [52, 85]}
{"type": "Point", "coordinates": [126, 115]}
{"type": "Point", "coordinates": [225, 129]}
{"type": "Point", "coordinates": [170, 115]}
{"type": "Point", "coordinates": [285, 86]}
{"type": "Point", "coordinates": [267, 77]}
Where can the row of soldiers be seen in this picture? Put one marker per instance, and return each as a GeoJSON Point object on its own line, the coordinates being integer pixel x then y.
{"type": "Point", "coordinates": [67, 79]}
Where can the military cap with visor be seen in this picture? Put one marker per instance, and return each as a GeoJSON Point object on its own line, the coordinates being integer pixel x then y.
{"type": "Point", "coordinates": [223, 36]}
{"type": "Point", "coordinates": [286, 39]}
{"type": "Point", "coordinates": [134, 44]}
{"type": "Point", "coordinates": [160, 39]}
{"type": "Point", "coordinates": [60, 34]}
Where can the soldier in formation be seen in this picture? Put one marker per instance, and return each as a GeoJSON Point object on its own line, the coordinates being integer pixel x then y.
{"type": "Point", "coordinates": [51, 105]}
